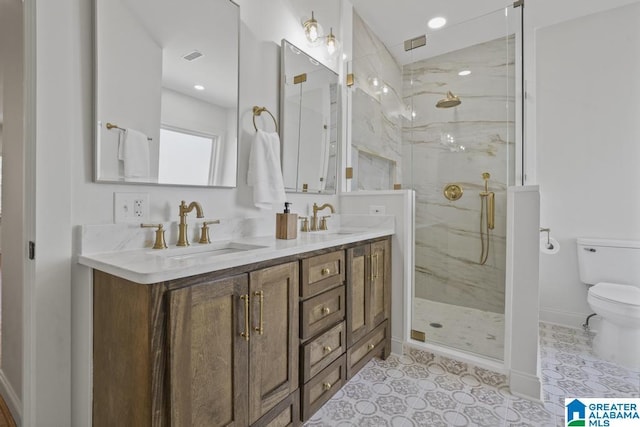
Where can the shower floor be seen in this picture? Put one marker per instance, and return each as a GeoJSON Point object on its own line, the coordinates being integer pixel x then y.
{"type": "Point", "coordinates": [462, 328]}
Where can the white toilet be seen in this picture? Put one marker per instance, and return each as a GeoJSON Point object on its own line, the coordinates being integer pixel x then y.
{"type": "Point", "coordinates": [613, 268]}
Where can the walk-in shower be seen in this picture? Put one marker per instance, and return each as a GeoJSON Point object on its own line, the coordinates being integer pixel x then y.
{"type": "Point", "coordinates": [460, 245]}
{"type": "Point", "coordinates": [441, 119]}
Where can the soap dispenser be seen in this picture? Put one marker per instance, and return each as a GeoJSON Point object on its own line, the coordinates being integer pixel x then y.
{"type": "Point", "coordinates": [286, 224]}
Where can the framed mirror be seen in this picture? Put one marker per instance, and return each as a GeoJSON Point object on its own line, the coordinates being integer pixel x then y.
{"type": "Point", "coordinates": [309, 108]}
{"type": "Point", "coordinates": [166, 92]}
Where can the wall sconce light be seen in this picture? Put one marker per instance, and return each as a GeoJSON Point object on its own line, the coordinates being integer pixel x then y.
{"type": "Point", "coordinates": [314, 34]}
{"type": "Point", "coordinates": [311, 29]}
{"type": "Point", "coordinates": [331, 42]}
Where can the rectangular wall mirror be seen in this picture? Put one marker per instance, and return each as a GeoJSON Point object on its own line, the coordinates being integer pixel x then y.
{"type": "Point", "coordinates": [309, 108]}
{"type": "Point", "coordinates": [166, 92]}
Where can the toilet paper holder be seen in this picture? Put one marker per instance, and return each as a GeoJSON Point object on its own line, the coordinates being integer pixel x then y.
{"type": "Point", "coordinates": [548, 231]}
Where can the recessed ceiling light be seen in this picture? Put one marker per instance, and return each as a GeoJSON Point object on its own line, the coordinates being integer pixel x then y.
{"type": "Point", "coordinates": [464, 73]}
{"type": "Point", "coordinates": [437, 22]}
{"type": "Point", "coordinates": [198, 87]}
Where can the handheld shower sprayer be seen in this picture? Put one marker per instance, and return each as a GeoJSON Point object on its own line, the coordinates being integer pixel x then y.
{"type": "Point", "coordinates": [487, 209]}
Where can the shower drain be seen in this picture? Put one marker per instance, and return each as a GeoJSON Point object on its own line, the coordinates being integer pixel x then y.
{"type": "Point", "coordinates": [435, 325]}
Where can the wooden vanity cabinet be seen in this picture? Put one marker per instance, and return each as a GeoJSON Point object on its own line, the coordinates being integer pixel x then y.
{"type": "Point", "coordinates": [228, 357]}
{"type": "Point", "coordinates": [368, 303]}
{"type": "Point", "coordinates": [258, 345]}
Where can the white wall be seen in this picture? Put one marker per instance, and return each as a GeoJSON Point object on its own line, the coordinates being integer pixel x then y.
{"type": "Point", "coordinates": [521, 311]}
{"type": "Point", "coordinates": [539, 14]}
{"type": "Point", "coordinates": [13, 259]}
{"type": "Point", "coordinates": [588, 149]}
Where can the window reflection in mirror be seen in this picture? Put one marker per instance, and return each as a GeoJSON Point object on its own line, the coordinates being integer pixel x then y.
{"type": "Point", "coordinates": [170, 65]}
{"type": "Point", "coordinates": [309, 130]}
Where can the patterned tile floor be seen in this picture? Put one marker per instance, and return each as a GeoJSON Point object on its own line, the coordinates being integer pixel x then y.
{"type": "Point", "coordinates": [418, 389]}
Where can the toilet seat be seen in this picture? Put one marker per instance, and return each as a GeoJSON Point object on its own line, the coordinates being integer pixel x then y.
{"type": "Point", "coordinates": [616, 293]}
{"type": "Point", "coordinates": [619, 304]}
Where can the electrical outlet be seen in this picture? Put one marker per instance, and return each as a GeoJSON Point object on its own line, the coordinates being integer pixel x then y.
{"type": "Point", "coordinates": [138, 208]}
{"type": "Point", "coordinates": [377, 210]}
{"type": "Point", "coordinates": [130, 207]}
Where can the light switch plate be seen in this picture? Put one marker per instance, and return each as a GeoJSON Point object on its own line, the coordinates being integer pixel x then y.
{"type": "Point", "coordinates": [130, 207]}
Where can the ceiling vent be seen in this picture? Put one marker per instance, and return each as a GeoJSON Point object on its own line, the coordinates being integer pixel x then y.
{"type": "Point", "coordinates": [192, 56]}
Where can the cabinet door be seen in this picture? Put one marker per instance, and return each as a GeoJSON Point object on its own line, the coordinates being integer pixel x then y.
{"type": "Point", "coordinates": [273, 347]}
{"type": "Point", "coordinates": [380, 281]}
{"type": "Point", "coordinates": [207, 355]}
{"type": "Point", "coordinates": [358, 293]}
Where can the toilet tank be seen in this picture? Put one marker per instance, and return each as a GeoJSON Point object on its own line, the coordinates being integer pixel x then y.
{"type": "Point", "coordinates": [614, 261]}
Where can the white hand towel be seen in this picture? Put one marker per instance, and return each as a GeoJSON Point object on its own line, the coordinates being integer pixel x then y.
{"type": "Point", "coordinates": [133, 150]}
{"type": "Point", "coordinates": [265, 173]}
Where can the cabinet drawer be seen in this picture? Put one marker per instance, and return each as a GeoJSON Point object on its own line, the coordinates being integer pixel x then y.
{"type": "Point", "coordinates": [321, 311]}
{"type": "Point", "coordinates": [373, 344]}
{"type": "Point", "coordinates": [321, 272]}
{"type": "Point", "coordinates": [322, 387]}
{"type": "Point", "coordinates": [319, 353]}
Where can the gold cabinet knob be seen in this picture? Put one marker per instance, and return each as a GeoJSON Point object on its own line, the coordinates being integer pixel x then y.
{"type": "Point", "coordinates": [326, 386]}
{"type": "Point", "coordinates": [325, 271]}
{"type": "Point", "coordinates": [327, 349]}
{"type": "Point", "coordinates": [326, 310]}
{"type": "Point", "coordinates": [371, 347]}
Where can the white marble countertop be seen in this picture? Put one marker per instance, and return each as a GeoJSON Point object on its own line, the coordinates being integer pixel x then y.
{"type": "Point", "coordinates": [148, 265]}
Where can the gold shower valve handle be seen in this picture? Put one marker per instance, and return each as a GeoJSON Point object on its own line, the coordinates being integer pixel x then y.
{"type": "Point", "coordinates": [453, 192]}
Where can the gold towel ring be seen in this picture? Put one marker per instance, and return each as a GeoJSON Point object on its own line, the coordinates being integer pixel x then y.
{"type": "Point", "coordinates": [259, 110]}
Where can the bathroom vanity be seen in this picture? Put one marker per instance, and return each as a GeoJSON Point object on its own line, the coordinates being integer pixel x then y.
{"type": "Point", "coordinates": [261, 336]}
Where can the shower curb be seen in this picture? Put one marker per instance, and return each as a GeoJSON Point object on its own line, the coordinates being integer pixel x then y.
{"type": "Point", "coordinates": [456, 367]}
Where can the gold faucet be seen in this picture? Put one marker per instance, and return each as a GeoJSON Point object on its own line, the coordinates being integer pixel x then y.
{"type": "Point", "coordinates": [183, 240]}
{"type": "Point", "coordinates": [314, 219]}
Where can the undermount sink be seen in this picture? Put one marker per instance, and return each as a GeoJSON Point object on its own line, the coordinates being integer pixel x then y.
{"type": "Point", "coordinates": [205, 250]}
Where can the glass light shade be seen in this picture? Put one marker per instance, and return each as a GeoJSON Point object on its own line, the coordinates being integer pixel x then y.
{"type": "Point", "coordinates": [332, 45]}
{"type": "Point", "coordinates": [311, 29]}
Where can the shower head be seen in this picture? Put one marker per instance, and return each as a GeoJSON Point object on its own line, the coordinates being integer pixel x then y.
{"type": "Point", "coordinates": [450, 101]}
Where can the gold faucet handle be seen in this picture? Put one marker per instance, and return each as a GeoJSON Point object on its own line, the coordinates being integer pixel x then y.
{"type": "Point", "coordinates": [323, 222]}
{"type": "Point", "coordinates": [305, 223]}
{"type": "Point", "coordinates": [160, 243]}
{"type": "Point", "coordinates": [204, 231]}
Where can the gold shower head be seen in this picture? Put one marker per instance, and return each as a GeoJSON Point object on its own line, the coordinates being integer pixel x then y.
{"type": "Point", "coordinates": [450, 101]}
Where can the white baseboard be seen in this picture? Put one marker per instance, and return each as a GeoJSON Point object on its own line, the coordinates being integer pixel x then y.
{"type": "Point", "coordinates": [11, 399]}
{"type": "Point", "coordinates": [573, 320]}
{"type": "Point", "coordinates": [525, 385]}
{"type": "Point", "coordinates": [396, 346]}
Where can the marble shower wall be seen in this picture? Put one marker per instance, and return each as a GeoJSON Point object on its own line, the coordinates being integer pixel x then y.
{"type": "Point", "coordinates": [456, 145]}
{"type": "Point", "coordinates": [377, 108]}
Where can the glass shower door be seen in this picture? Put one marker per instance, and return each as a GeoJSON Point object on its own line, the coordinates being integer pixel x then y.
{"type": "Point", "coordinates": [459, 145]}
